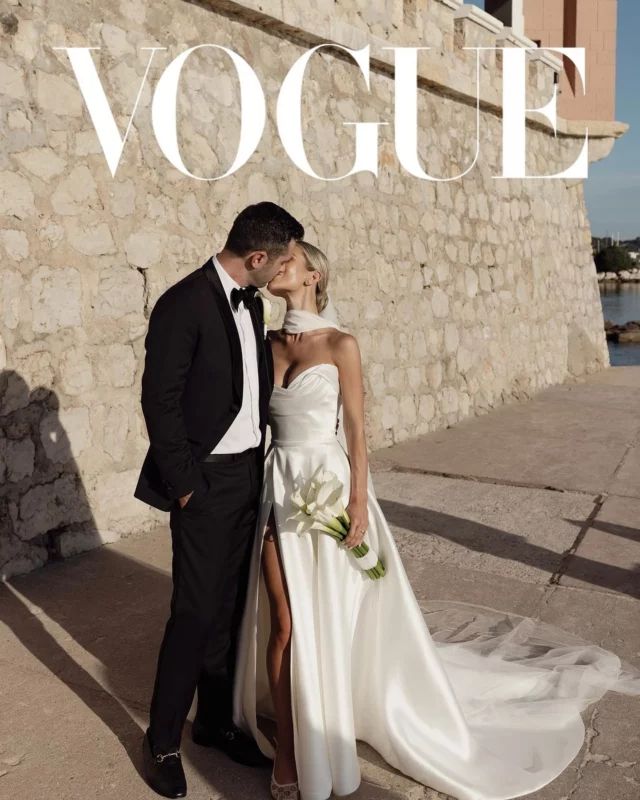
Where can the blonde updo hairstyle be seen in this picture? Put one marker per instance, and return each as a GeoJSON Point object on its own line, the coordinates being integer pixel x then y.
{"type": "Point", "coordinates": [316, 260]}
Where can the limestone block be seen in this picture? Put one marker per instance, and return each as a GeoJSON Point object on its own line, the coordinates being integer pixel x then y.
{"type": "Point", "coordinates": [190, 215]}
{"type": "Point", "coordinates": [466, 359]}
{"type": "Point", "coordinates": [407, 409]}
{"type": "Point", "coordinates": [50, 234]}
{"type": "Point", "coordinates": [116, 431]}
{"type": "Point", "coordinates": [144, 248]}
{"type": "Point", "coordinates": [58, 95]}
{"type": "Point", "coordinates": [27, 41]}
{"type": "Point", "coordinates": [443, 270]}
{"type": "Point", "coordinates": [120, 292]}
{"type": "Point", "coordinates": [115, 40]}
{"type": "Point", "coordinates": [449, 399]}
{"type": "Point", "coordinates": [376, 380]}
{"type": "Point", "coordinates": [415, 377]}
{"type": "Point", "coordinates": [32, 371]}
{"type": "Point", "coordinates": [76, 371]}
{"type": "Point", "coordinates": [43, 162]}
{"type": "Point", "coordinates": [65, 433]}
{"type": "Point", "coordinates": [16, 195]}
{"type": "Point", "coordinates": [18, 120]}
{"type": "Point", "coordinates": [434, 374]}
{"type": "Point", "coordinates": [76, 192]}
{"type": "Point", "coordinates": [484, 279]}
{"type": "Point", "coordinates": [386, 346]}
{"type": "Point", "coordinates": [419, 250]}
{"type": "Point", "coordinates": [19, 459]}
{"type": "Point", "coordinates": [56, 298]}
{"type": "Point", "coordinates": [15, 243]}
{"type": "Point", "coordinates": [134, 10]}
{"type": "Point", "coordinates": [45, 507]}
{"type": "Point", "coordinates": [122, 198]}
{"type": "Point", "coordinates": [389, 411]}
{"type": "Point", "coordinates": [395, 378]}
{"type": "Point", "coordinates": [87, 142]}
{"type": "Point", "coordinates": [94, 239]}
{"type": "Point", "coordinates": [118, 365]}
{"type": "Point", "coordinates": [12, 81]}
{"type": "Point", "coordinates": [112, 502]}
{"type": "Point", "coordinates": [439, 303]}
{"type": "Point", "coordinates": [427, 407]}
{"type": "Point", "coordinates": [419, 346]}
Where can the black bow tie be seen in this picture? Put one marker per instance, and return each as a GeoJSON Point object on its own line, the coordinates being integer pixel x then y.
{"type": "Point", "coordinates": [245, 293]}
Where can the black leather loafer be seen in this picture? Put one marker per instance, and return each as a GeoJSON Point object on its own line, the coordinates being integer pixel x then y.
{"type": "Point", "coordinates": [231, 740]}
{"type": "Point", "coordinates": [163, 772]}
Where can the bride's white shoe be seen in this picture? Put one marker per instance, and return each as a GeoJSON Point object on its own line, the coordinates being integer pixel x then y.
{"type": "Point", "coordinates": [283, 791]}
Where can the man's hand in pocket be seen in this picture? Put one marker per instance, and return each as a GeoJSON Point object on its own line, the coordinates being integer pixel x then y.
{"type": "Point", "coordinates": [185, 499]}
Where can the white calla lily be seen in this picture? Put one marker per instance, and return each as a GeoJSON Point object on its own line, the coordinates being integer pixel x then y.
{"type": "Point", "coordinates": [319, 507]}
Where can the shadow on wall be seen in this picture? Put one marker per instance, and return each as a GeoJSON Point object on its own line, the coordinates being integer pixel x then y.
{"type": "Point", "coordinates": [44, 510]}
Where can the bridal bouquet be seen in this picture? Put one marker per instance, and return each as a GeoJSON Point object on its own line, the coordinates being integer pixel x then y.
{"type": "Point", "coordinates": [319, 507]}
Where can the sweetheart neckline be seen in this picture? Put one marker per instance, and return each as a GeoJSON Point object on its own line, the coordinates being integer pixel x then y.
{"type": "Point", "coordinates": [312, 366]}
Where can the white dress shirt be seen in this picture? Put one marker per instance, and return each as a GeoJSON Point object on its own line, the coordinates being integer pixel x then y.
{"type": "Point", "coordinates": [244, 431]}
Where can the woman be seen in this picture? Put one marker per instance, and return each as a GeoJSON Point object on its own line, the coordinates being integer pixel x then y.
{"type": "Point", "coordinates": [479, 704]}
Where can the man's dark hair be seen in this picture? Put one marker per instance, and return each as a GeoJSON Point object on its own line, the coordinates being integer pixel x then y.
{"type": "Point", "coordinates": [263, 226]}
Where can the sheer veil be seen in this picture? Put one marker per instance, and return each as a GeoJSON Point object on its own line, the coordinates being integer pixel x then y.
{"type": "Point", "coordinates": [504, 663]}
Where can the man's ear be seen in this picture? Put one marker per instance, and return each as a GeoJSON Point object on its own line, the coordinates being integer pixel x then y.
{"type": "Point", "coordinates": [257, 259]}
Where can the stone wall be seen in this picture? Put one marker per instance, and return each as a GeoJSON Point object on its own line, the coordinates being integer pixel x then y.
{"type": "Point", "coordinates": [463, 295]}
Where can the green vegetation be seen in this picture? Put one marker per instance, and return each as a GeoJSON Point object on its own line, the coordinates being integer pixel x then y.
{"type": "Point", "coordinates": [613, 259]}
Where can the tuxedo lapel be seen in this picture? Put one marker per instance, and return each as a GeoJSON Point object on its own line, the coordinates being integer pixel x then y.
{"type": "Point", "coordinates": [230, 326]}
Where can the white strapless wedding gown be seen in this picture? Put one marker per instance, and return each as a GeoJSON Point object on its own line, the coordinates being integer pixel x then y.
{"type": "Point", "coordinates": [476, 703]}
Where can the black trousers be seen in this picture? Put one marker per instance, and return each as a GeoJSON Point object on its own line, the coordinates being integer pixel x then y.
{"type": "Point", "coordinates": [212, 539]}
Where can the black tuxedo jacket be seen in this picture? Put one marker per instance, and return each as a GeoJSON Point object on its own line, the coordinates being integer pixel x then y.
{"type": "Point", "coordinates": [192, 383]}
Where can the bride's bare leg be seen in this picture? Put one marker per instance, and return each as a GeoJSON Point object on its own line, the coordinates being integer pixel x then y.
{"type": "Point", "coordinates": [279, 653]}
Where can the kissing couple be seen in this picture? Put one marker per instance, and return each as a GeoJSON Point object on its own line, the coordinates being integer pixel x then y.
{"type": "Point", "coordinates": [273, 620]}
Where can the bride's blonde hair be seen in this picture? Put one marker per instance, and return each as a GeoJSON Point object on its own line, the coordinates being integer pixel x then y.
{"type": "Point", "coordinates": [316, 259]}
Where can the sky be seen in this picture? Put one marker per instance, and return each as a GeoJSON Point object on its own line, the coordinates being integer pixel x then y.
{"type": "Point", "coordinates": [612, 190]}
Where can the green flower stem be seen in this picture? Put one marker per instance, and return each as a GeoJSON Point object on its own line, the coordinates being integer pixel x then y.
{"type": "Point", "coordinates": [332, 533]}
{"type": "Point", "coordinates": [336, 526]}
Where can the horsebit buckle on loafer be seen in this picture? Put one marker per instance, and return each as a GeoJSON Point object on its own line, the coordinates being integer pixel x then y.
{"type": "Point", "coordinates": [161, 756]}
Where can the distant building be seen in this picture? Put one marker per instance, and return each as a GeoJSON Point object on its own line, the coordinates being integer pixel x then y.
{"type": "Point", "coordinates": [590, 24]}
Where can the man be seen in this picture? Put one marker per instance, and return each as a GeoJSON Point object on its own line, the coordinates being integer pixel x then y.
{"type": "Point", "coordinates": [207, 380]}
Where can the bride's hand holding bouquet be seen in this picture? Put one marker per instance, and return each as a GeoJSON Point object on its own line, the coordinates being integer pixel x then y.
{"type": "Point", "coordinates": [357, 512]}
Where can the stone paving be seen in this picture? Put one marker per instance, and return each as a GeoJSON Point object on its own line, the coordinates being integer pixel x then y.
{"type": "Point", "coordinates": [533, 507]}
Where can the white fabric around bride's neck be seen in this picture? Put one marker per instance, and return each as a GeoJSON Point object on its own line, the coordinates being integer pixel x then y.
{"type": "Point", "coordinates": [298, 320]}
